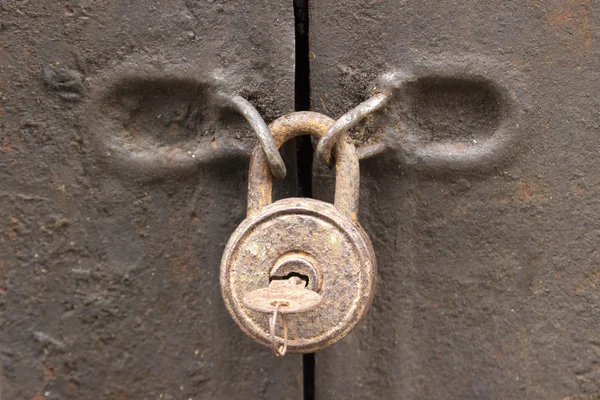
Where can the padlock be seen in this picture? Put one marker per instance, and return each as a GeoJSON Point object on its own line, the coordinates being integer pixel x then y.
{"type": "Point", "coordinates": [320, 242]}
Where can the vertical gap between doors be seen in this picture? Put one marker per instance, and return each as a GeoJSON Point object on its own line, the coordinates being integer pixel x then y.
{"type": "Point", "coordinates": [304, 148]}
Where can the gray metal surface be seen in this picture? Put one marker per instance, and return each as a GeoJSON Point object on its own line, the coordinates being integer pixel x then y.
{"type": "Point", "coordinates": [489, 266]}
{"type": "Point", "coordinates": [115, 211]}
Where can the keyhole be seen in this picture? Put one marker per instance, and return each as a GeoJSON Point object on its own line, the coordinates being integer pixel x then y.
{"type": "Point", "coordinates": [304, 278]}
{"type": "Point", "coordinates": [297, 265]}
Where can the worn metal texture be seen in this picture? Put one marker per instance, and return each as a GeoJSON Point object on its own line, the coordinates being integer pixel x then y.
{"type": "Point", "coordinates": [261, 129]}
{"type": "Point", "coordinates": [291, 295]}
{"type": "Point", "coordinates": [488, 254]}
{"type": "Point", "coordinates": [348, 121]}
{"type": "Point", "coordinates": [121, 179]}
{"type": "Point", "coordinates": [284, 128]}
{"type": "Point", "coordinates": [326, 236]}
{"type": "Point", "coordinates": [341, 249]}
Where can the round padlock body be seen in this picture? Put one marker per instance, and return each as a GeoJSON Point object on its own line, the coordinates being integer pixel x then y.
{"type": "Point", "coordinates": [340, 248]}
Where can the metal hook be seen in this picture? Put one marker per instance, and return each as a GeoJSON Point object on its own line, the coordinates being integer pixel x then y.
{"type": "Point", "coordinates": [347, 121]}
{"type": "Point", "coordinates": [260, 128]}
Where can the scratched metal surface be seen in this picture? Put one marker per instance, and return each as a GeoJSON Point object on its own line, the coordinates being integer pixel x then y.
{"type": "Point", "coordinates": [109, 267]}
{"type": "Point", "coordinates": [489, 268]}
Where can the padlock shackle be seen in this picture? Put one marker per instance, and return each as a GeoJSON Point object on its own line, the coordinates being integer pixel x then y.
{"type": "Point", "coordinates": [347, 172]}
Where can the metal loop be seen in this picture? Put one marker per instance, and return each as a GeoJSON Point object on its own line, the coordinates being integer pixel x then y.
{"type": "Point", "coordinates": [278, 351]}
{"type": "Point", "coordinates": [347, 121]}
{"type": "Point", "coordinates": [261, 130]}
{"type": "Point", "coordinates": [347, 180]}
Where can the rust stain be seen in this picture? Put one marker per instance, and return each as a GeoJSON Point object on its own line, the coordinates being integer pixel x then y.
{"type": "Point", "coordinates": [530, 192]}
{"type": "Point", "coordinates": [213, 142]}
{"type": "Point", "coordinates": [524, 191]}
{"type": "Point", "coordinates": [559, 17]}
{"type": "Point", "coordinates": [6, 146]}
{"type": "Point", "coordinates": [323, 104]}
{"type": "Point", "coordinates": [37, 396]}
{"type": "Point", "coordinates": [15, 227]}
{"type": "Point", "coordinates": [180, 261]}
{"type": "Point", "coordinates": [49, 372]}
{"type": "Point", "coordinates": [572, 19]}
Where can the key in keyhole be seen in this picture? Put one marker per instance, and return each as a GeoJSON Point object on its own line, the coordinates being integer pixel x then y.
{"type": "Point", "coordinates": [288, 296]}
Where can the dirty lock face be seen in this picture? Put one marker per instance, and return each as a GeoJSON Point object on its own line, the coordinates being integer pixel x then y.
{"type": "Point", "coordinates": [317, 242]}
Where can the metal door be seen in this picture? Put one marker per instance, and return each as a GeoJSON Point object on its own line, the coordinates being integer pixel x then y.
{"type": "Point", "coordinates": [121, 179]}
{"type": "Point", "coordinates": [123, 173]}
{"type": "Point", "coordinates": [488, 249]}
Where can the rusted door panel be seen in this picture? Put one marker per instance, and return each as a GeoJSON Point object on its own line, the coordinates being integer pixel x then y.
{"type": "Point", "coordinates": [489, 272]}
{"type": "Point", "coordinates": [110, 254]}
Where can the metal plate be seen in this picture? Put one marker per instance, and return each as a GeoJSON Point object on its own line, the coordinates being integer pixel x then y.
{"type": "Point", "coordinates": [497, 255]}
{"type": "Point", "coordinates": [109, 284]}
{"type": "Point", "coordinates": [341, 248]}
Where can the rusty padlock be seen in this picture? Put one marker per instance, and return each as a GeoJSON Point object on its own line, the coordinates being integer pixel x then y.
{"type": "Point", "coordinates": [301, 237]}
